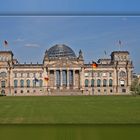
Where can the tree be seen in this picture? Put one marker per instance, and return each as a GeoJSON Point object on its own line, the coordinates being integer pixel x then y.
{"type": "Point", "coordinates": [135, 87]}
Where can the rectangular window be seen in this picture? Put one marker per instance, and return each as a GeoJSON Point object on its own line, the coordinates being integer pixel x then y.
{"type": "Point", "coordinates": [28, 75]}
{"type": "Point", "coordinates": [122, 83]}
{"type": "Point", "coordinates": [110, 74]}
{"type": "Point", "coordinates": [123, 90]}
{"type": "Point", "coordinates": [104, 74]}
{"type": "Point", "coordinates": [21, 74]}
{"type": "Point", "coordinates": [86, 74]}
{"type": "Point", "coordinates": [40, 75]}
{"type": "Point", "coordinates": [91, 74]}
{"type": "Point", "coordinates": [34, 74]}
{"type": "Point", "coordinates": [98, 74]}
{"type": "Point", "coordinates": [15, 75]}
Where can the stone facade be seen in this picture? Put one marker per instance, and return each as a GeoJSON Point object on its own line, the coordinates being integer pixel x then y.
{"type": "Point", "coordinates": [62, 72]}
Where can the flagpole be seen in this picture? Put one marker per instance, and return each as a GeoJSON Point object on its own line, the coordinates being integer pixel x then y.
{"type": "Point", "coordinates": [120, 45]}
{"type": "Point", "coordinates": [105, 54]}
{"type": "Point", "coordinates": [5, 45]}
{"type": "Point", "coordinates": [92, 81]}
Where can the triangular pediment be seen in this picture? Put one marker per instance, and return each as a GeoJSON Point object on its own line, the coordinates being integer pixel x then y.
{"type": "Point", "coordinates": [63, 64]}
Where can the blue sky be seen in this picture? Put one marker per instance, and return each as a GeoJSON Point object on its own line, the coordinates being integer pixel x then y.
{"type": "Point", "coordinates": [70, 6]}
{"type": "Point", "coordinates": [29, 36]}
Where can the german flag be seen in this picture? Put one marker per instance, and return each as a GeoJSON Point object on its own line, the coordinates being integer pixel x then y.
{"type": "Point", "coordinates": [46, 79]}
{"type": "Point", "coordinates": [94, 65]}
{"type": "Point", "coordinates": [5, 43]}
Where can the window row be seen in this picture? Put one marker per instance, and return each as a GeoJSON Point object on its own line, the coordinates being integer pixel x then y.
{"type": "Point", "coordinates": [27, 83]}
{"type": "Point", "coordinates": [28, 75]}
{"type": "Point", "coordinates": [97, 74]}
{"type": "Point", "coordinates": [21, 91]}
{"type": "Point", "coordinates": [105, 90]}
{"type": "Point", "coordinates": [4, 58]}
{"type": "Point", "coordinates": [100, 83]}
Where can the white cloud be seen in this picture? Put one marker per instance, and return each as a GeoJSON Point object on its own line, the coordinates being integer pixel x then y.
{"type": "Point", "coordinates": [32, 45]}
{"type": "Point", "coordinates": [18, 40]}
{"type": "Point", "coordinates": [124, 18]}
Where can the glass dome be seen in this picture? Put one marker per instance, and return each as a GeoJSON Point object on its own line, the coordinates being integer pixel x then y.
{"type": "Point", "coordinates": [60, 51]}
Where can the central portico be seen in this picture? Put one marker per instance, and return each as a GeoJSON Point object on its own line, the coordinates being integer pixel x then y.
{"type": "Point", "coordinates": [63, 67]}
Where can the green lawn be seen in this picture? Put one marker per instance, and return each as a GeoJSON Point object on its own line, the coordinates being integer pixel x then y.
{"type": "Point", "coordinates": [70, 109]}
{"type": "Point", "coordinates": [69, 132]}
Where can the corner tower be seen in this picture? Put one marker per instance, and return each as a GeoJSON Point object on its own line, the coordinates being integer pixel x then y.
{"type": "Point", "coordinates": [123, 69]}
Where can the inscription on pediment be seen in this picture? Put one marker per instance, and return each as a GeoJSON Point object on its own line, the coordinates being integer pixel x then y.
{"type": "Point", "coordinates": [64, 64]}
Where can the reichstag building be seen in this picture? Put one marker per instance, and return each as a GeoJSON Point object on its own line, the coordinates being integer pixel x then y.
{"type": "Point", "coordinates": [63, 73]}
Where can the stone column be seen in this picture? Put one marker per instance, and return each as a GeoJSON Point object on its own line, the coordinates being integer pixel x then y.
{"type": "Point", "coordinates": [127, 75]}
{"type": "Point", "coordinates": [55, 79]}
{"type": "Point", "coordinates": [129, 78]}
{"type": "Point", "coordinates": [48, 83]}
{"type": "Point", "coordinates": [67, 78]}
{"type": "Point", "coordinates": [82, 80]}
{"type": "Point", "coordinates": [61, 79]}
{"type": "Point", "coordinates": [79, 79]}
{"type": "Point", "coordinates": [9, 82]}
{"type": "Point", "coordinates": [117, 80]}
{"type": "Point", "coordinates": [74, 79]}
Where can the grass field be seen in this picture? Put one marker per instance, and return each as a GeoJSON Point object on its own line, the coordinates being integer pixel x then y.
{"type": "Point", "coordinates": [69, 132]}
{"type": "Point", "coordinates": [71, 118]}
{"type": "Point", "coordinates": [70, 110]}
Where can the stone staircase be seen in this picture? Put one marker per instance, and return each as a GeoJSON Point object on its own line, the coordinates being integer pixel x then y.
{"type": "Point", "coordinates": [65, 92]}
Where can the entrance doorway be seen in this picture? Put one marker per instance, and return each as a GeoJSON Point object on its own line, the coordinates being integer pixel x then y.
{"type": "Point", "coordinates": [3, 92]}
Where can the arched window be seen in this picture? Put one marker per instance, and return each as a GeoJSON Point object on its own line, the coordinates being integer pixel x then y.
{"type": "Point", "coordinates": [3, 84]}
{"type": "Point", "coordinates": [2, 58]}
{"type": "Point", "coordinates": [86, 82]}
{"type": "Point", "coordinates": [21, 83]}
{"type": "Point", "coordinates": [3, 74]}
{"type": "Point", "coordinates": [122, 83]}
{"type": "Point", "coordinates": [110, 82]}
{"type": "Point", "coordinates": [40, 83]}
{"type": "Point", "coordinates": [98, 83]}
{"type": "Point", "coordinates": [122, 74]}
{"type": "Point", "coordinates": [104, 83]}
{"type": "Point", "coordinates": [34, 83]}
{"type": "Point", "coordinates": [28, 83]}
{"type": "Point", "coordinates": [15, 83]}
{"type": "Point", "coordinates": [92, 82]}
